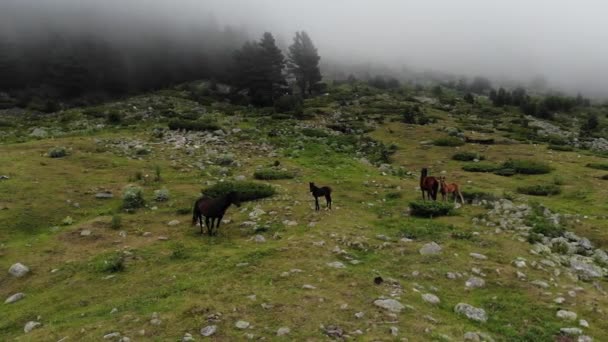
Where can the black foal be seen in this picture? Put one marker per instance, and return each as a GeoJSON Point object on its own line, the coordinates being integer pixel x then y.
{"type": "Point", "coordinates": [318, 192]}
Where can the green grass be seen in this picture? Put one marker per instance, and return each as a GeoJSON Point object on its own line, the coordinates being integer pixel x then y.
{"type": "Point", "coordinates": [598, 166]}
{"type": "Point", "coordinates": [248, 191]}
{"type": "Point", "coordinates": [480, 167]}
{"type": "Point", "coordinates": [540, 190]}
{"type": "Point", "coordinates": [448, 141]}
{"type": "Point", "coordinates": [527, 167]}
{"type": "Point", "coordinates": [272, 174]}
{"type": "Point", "coordinates": [467, 156]}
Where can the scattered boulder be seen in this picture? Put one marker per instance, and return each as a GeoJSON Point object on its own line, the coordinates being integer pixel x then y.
{"type": "Point", "coordinates": [18, 270]}
{"type": "Point", "coordinates": [242, 324]}
{"type": "Point", "coordinates": [389, 304]}
{"type": "Point", "coordinates": [336, 264]}
{"type": "Point", "coordinates": [478, 256]}
{"type": "Point", "coordinates": [475, 282]}
{"type": "Point", "coordinates": [471, 312]}
{"type": "Point", "coordinates": [31, 325]}
{"type": "Point", "coordinates": [431, 298]}
{"type": "Point", "coordinates": [104, 195]}
{"type": "Point", "coordinates": [584, 270]}
{"type": "Point", "coordinates": [14, 298]}
{"type": "Point", "coordinates": [566, 315]}
{"type": "Point", "coordinates": [209, 330]}
{"type": "Point", "coordinates": [430, 249]}
{"type": "Point", "coordinates": [283, 331]}
{"type": "Point", "coordinates": [173, 223]}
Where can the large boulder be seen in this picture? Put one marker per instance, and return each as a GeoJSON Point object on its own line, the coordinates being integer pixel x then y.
{"type": "Point", "coordinates": [471, 312]}
{"type": "Point", "coordinates": [18, 270]}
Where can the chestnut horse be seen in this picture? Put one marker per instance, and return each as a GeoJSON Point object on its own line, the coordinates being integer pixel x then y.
{"type": "Point", "coordinates": [430, 185]}
{"type": "Point", "coordinates": [214, 209]}
{"type": "Point", "coordinates": [451, 188]}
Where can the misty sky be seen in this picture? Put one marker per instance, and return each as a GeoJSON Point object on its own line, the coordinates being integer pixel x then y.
{"type": "Point", "coordinates": [563, 40]}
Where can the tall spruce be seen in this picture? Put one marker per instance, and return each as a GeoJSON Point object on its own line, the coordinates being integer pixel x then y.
{"type": "Point", "coordinates": [303, 63]}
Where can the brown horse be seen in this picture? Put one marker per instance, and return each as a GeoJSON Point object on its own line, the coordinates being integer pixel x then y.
{"type": "Point", "coordinates": [214, 209]}
{"type": "Point", "coordinates": [430, 185]}
{"type": "Point", "coordinates": [451, 188]}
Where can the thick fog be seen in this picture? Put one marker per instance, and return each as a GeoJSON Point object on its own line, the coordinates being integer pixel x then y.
{"type": "Point", "coordinates": [518, 40]}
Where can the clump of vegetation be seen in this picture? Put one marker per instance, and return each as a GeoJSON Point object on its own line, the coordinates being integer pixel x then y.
{"type": "Point", "coordinates": [605, 177]}
{"type": "Point", "coordinates": [564, 148]}
{"type": "Point", "coordinates": [272, 174]}
{"type": "Point", "coordinates": [467, 156]}
{"type": "Point", "coordinates": [527, 167]}
{"type": "Point", "coordinates": [116, 222]}
{"type": "Point", "coordinates": [179, 251]}
{"type": "Point", "coordinates": [314, 133]}
{"type": "Point", "coordinates": [540, 190]}
{"type": "Point", "coordinates": [480, 167]}
{"type": "Point", "coordinates": [161, 195]}
{"type": "Point", "coordinates": [393, 195]}
{"type": "Point", "coordinates": [448, 141]}
{"type": "Point", "coordinates": [190, 125]}
{"type": "Point", "coordinates": [462, 235]}
{"type": "Point", "coordinates": [114, 117]}
{"type": "Point", "coordinates": [560, 247]}
{"type": "Point", "coordinates": [57, 152]}
{"type": "Point", "coordinates": [133, 197]}
{"type": "Point", "coordinates": [505, 172]}
{"type": "Point", "coordinates": [542, 226]}
{"type": "Point", "coordinates": [598, 166]}
{"type": "Point", "coordinates": [287, 103]}
{"type": "Point", "coordinates": [431, 208]}
{"type": "Point", "coordinates": [478, 195]}
{"type": "Point", "coordinates": [112, 264]}
{"type": "Point", "coordinates": [157, 176]}
{"type": "Point", "coordinates": [433, 230]}
{"type": "Point", "coordinates": [248, 191]}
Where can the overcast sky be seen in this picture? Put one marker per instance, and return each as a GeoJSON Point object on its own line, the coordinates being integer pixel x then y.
{"type": "Point", "coordinates": [566, 41]}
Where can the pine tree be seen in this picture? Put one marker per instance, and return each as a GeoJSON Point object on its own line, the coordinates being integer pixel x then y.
{"type": "Point", "coordinates": [272, 63]}
{"type": "Point", "coordinates": [9, 66]}
{"type": "Point", "coordinates": [303, 63]}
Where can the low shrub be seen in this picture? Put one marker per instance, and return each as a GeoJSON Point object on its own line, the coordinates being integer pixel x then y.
{"type": "Point", "coordinates": [248, 191]}
{"type": "Point", "coordinates": [540, 190]}
{"type": "Point", "coordinates": [161, 195]}
{"type": "Point", "coordinates": [564, 148]}
{"type": "Point", "coordinates": [190, 125]}
{"type": "Point", "coordinates": [57, 152]}
{"type": "Point", "coordinates": [114, 117]}
{"type": "Point", "coordinates": [448, 141]}
{"type": "Point", "coordinates": [480, 167]}
{"type": "Point", "coordinates": [431, 208]}
{"type": "Point", "coordinates": [314, 133]}
{"type": "Point", "coordinates": [116, 222]}
{"type": "Point", "coordinates": [179, 251]}
{"type": "Point", "coordinates": [287, 103]}
{"type": "Point", "coordinates": [112, 263]}
{"type": "Point", "coordinates": [393, 195]}
{"type": "Point", "coordinates": [477, 195]}
{"type": "Point", "coordinates": [467, 156]}
{"type": "Point", "coordinates": [560, 247]}
{"type": "Point", "coordinates": [272, 174]}
{"type": "Point", "coordinates": [133, 197]}
{"type": "Point", "coordinates": [527, 167]}
{"type": "Point", "coordinates": [505, 172]}
{"type": "Point", "coordinates": [598, 166]}
{"type": "Point", "coordinates": [542, 226]}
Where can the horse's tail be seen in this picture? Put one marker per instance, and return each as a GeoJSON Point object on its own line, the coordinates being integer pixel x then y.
{"type": "Point", "coordinates": [196, 212]}
{"type": "Point", "coordinates": [435, 189]}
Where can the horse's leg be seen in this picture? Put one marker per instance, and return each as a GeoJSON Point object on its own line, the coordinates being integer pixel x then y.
{"type": "Point", "coordinates": [461, 198]}
{"type": "Point", "coordinates": [317, 203]}
{"type": "Point", "coordinates": [422, 190]}
{"type": "Point", "coordinates": [328, 200]}
{"type": "Point", "coordinates": [209, 229]}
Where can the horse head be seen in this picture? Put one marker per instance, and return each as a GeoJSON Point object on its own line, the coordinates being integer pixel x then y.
{"type": "Point", "coordinates": [311, 185]}
{"type": "Point", "coordinates": [424, 172]}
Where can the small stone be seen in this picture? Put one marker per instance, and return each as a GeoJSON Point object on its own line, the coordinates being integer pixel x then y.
{"type": "Point", "coordinates": [431, 298]}
{"type": "Point", "coordinates": [566, 315]}
{"type": "Point", "coordinates": [187, 337]}
{"type": "Point", "coordinates": [209, 330]}
{"type": "Point", "coordinates": [114, 310]}
{"type": "Point", "coordinates": [16, 297]}
{"type": "Point", "coordinates": [85, 232]}
{"type": "Point", "coordinates": [478, 256]}
{"type": "Point", "coordinates": [394, 331]}
{"type": "Point", "coordinates": [173, 223]}
{"type": "Point", "coordinates": [336, 264]}
{"type": "Point", "coordinates": [308, 287]}
{"type": "Point", "coordinates": [472, 336]}
{"type": "Point", "coordinates": [571, 331]}
{"type": "Point", "coordinates": [18, 270]}
{"type": "Point", "coordinates": [242, 324]}
{"type": "Point", "coordinates": [111, 336]}
{"type": "Point", "coordinates": [583, 323]}
{"type": "Point", "coordinates": [283, 331]}
{"type": "Point", "coordinates": [559, 300]}
{"type": "Point", "coordinates": [104, 195]}
{"type": "Point", "coordinates": [540, 283]}
{"type": "Point", "coordinates": [31, 325]}
{"type": "Point", "coordinates": [389, 304]}
{"type": "Point", "coordinates": [259, 238]}
{"type": "Point", "coordinates": [359, 315]}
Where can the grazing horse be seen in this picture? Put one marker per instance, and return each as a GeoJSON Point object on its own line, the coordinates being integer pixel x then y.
{"type": "Point", "coordinates": [214, 209]}
{"type": "Point", "coordinates": [318, 192]}
{"type": "Point", "coordinates": [451, 188]}
{"type": "Point", "coordinates": [430, 185]}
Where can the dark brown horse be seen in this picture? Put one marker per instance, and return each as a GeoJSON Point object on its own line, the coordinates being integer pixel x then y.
{"type": "Point", "coordinates": [430, 185]}
{"type": "Point", "coordinates": [318, 192]}
{"type": "Point", "coordinates": [213, 209]}
{"type": "Point", "coordinates": [451, 188]}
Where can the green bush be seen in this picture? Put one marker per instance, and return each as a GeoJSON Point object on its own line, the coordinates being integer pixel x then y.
{"type": "Point", "coordinates": [57, 152]}
{"type": "Point", "coordinates": [190, 125]}
{"type": "Point", "coordinates": [272, 174]}
{"type": "Point", "coordinates": [480, 167]}
{"type": "Point", "coordinates": [116, 222]}
{"type": "Point", "coordinates": [133, 197]}
{"type": "Point", "coordinates": [527, 167]}
{"type": "Point", "coordinates": [564, 148]}
{"type": "Point", "coordinates": [112, 263]}
{"type": "Point", "coordinates": [114, 117]}
{"type": "Point", "coordinates": [179, 251]}
{"type": "Point", "coordinates": [467, 156]}
{"type": "Point", "coordinates": [540, 190]}
{"type": "Point", "coordinates": [431, 208]}
{"type": "Point", "coordinates": [448, 141]}
{"type": "Point", "coordinates": [505, 172]}
{"type": "Point", "coordinates": [472, 195]}
{"type": "Point", "coordinates": [598, 166]}
{"type": "Point", "coordinates": [248, 191]}
{"type": "Point", "coordinates": [560, 247]}
{"type": "Point", "coordinates": [161, 195]}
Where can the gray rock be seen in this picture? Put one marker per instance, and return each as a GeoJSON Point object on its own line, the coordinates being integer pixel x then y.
{"type": "Point", "coordinates": [336, 264]}
{"type": "Point", "coordinates": [18, 270]}
{"type": "Point", "coordinates": [566, 315]}
{"type": "Point", "coordinates": [583, 323]}
{"type": "Point", "coordinates": [31, 325]}
{"type": "Point", "coordinates": [478, 256]}
{"type": "Point", "coordinates": [283, 331]}
{"type": "Point", "coordinates": [111, 336]}
{"type": "Point", "coordinates": [85, 232]}
{"type": "Point", "coordinates": [187, 337]}
{"type": "Point", "coordinates": [584, 338]}
{"type": "Point", "coordinates": [259, 238]}
{"type": "Point", "coordinates": [389, 304]}
{"type": "Point", "coordinates": [308, 287]}
{"type": "Point", "coordinates": [39, 133]}
{"type": "Point", "coordinates": [541, 284]}
{"type": "Point", "coordinates": [16, 297]}
{"type": "Point", "coordinates": [242, 324]}
{"type": "Point", "coordinates": [155, 319]}
{"type": "Point", "coordinates": [104, 195]}
{"type": "Point", "coordinates": [600, 257]}
{"type": "Point", "coordinates": [394, 331]}
{"type": "Point", "coordinates": [571, 331]}
{"type": "Point", "coordinates": [430, 249]}
{"type": "Point", "coordinates": [475, 282]}
{"type": "Point", "coordinates": [471, 312]}
{"type": "Point", "coordinates": [173, 223]}
{"type": "Point", "coordinates": [209, 330]}
{"type": "Point", "coordinates": [431, 298]}
{"type": "Point", "coordinates": [584, 270]}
